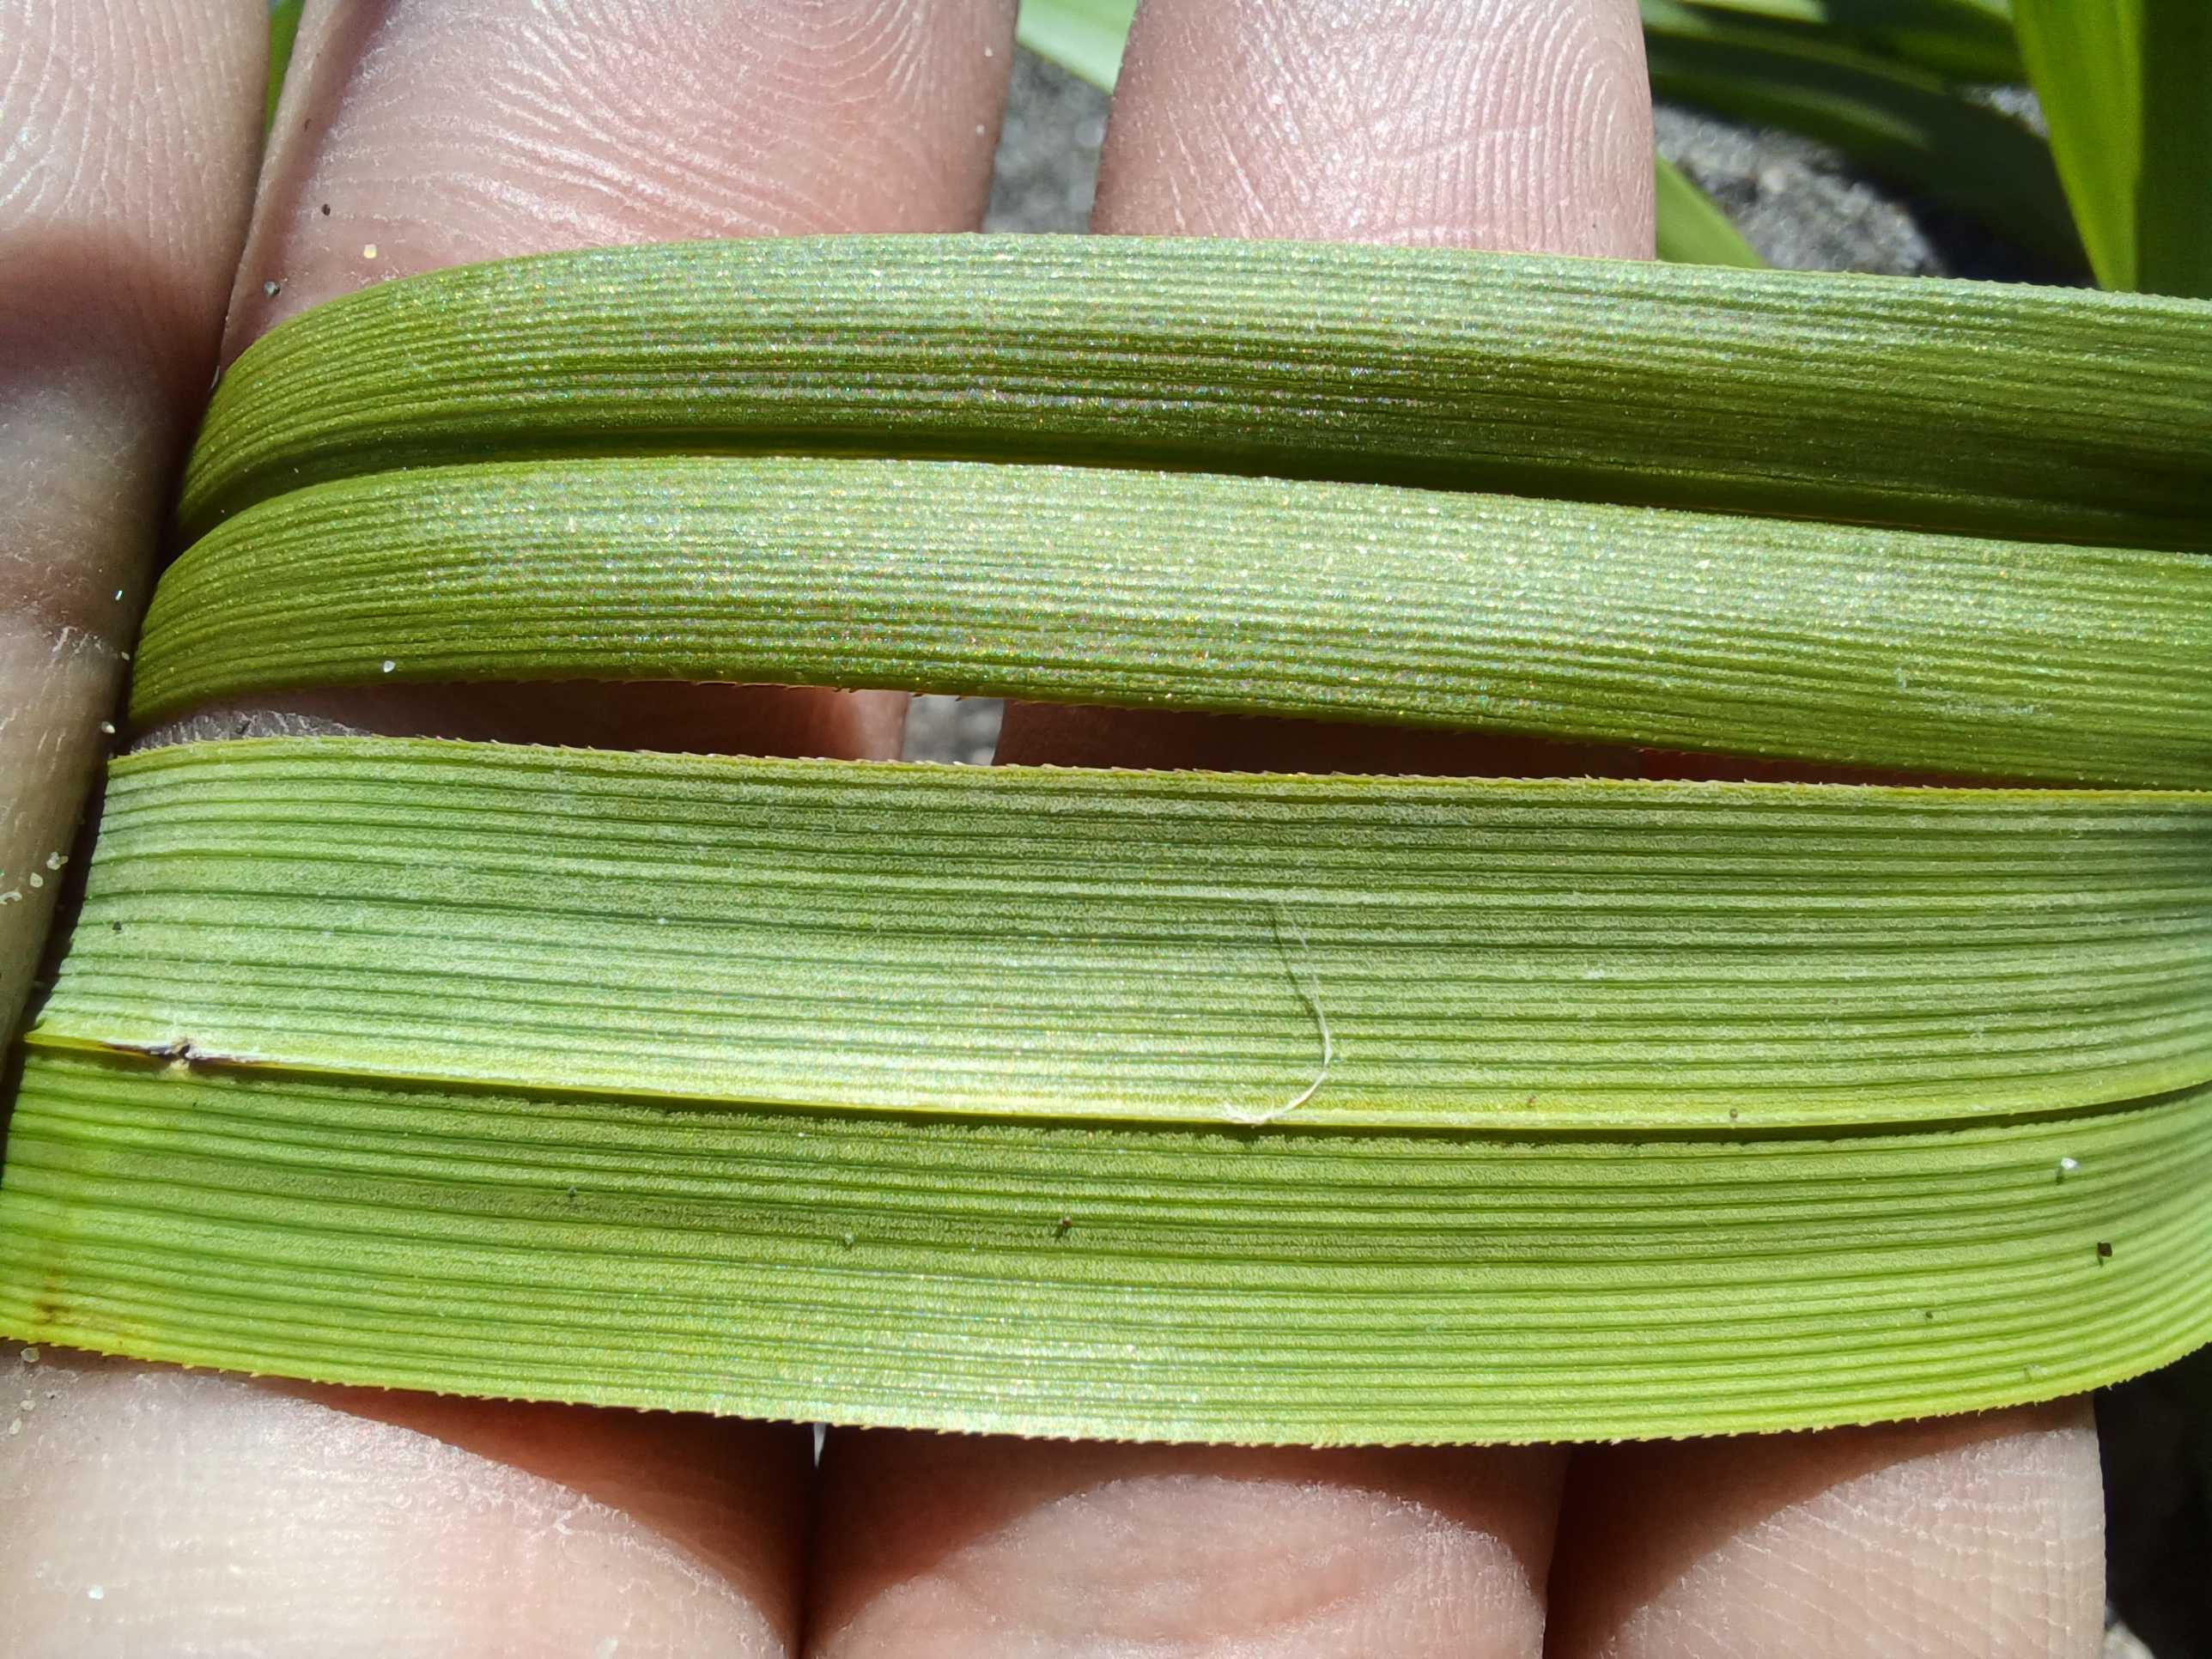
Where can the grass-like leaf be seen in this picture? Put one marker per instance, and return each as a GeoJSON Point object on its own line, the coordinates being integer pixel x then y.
{"type": "Point", "coordinates": [921, 1096]}
{"type": "Point", "coordinates": [1084, 37]}
{"type": "Point", "coordinates": [2127, 85]}
{"type": "Point", "coordinates": [1189, 947]}
{"type": "Point", "coordinates": [1104, 1281]}
{"type": "Point", "coordinates": [1913, 126]}
{"type": "Point", "coordinates": [2006, 411]}
{"type": "Point", "coordinates": [284, 29]}
{"type": "Point", "coordinates": [1692, 227]}
{"type": "Point", "coordinates": [1968, 40]}
{"type": "Point", "coordinates": [1779, 637]}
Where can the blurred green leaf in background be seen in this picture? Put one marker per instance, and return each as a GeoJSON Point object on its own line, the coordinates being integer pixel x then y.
{"type": "Point", "coordinates": [1904, 123]}
{"type": "Point", "coordinates": [1898, 87]}
{"type": "Point", "coordinates": [284, 29]}
{"type": "Point", "coordinates": [1084, 37]}
{"type": "Point", "coordinates": [1962, 40]}
{"type": "Point", "coordinates": [2127, 86]}
{"type": "Point", "coordinates": [1693, 230]}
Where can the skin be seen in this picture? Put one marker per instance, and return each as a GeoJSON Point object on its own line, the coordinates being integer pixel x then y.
{"type": "Point", "coordinates": [155, 1511]}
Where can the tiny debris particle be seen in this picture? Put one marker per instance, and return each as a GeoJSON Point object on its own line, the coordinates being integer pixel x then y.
{"type": "Point", "coordinates": [2104, 1249]}
{"type": "Point", "coordinates": [115, 927]}
{"type": "Point", "coordinates": [37, 880]}
{"type": "Point", "coordinates": [30, 1356]}
{"type": "Point", "coordinates": [389, 664]}
{"type": "Point", "coordinates": [846, 1240]}
{"type": "Point", "coordinates": [119, 596]}
{"type": "Point", "coordinates": [327, 209]}
{"type": "Point", "coordinates": [1067, 1225]}
{"type": "Point", "coordinates": [272, 288]}
{"type": "Point", "coordinates": [107, 728]}
{"type": "Point", "coordinates": [13, 896]}
{"type": "Point", "coordinates": [15, 1427]}
{"type": "Point", "coordinates": [2067, 1166]}
{"type": "Point", "coordinates": [96, 1593]}
{"type": "Point", "coordinates": [368, 249]}
{"type": "Point", "coordinates": [55, 860]}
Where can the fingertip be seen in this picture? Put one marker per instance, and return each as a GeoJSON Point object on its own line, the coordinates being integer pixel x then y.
{"type": "Point", "coordinates": [427, 133]}
{"type": "Point", "coordinates": [156, 1510]}
{"type": "Point", "coordinates": [1519, 125]}
{"type": "Point", "coordinates": [1979, 1534]}
{"type": "Point", "coordinates": [420, 134]}
{"type": "Point", "coordinates": [954, 1545]}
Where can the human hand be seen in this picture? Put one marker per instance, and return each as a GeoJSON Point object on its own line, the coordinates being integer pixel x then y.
{"type": "Point", "coordinates": [153, 1511]}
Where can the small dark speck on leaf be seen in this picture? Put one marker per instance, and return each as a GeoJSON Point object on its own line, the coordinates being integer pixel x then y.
{"type": "Point", "coordinates": [572, 1194]}
{"type": "Point", "coordinates": [1928, 1313]}
{"type": "Point", "coordinates": [1067, 1225]}
{"type": "Point", "coordinates": [1732, 1114]}
{"type": "Point", "coordinates": [2104, 1249]}
{"type": "Point", "coordinates": [117, 925]}
{"type": "Point", "coordinates": [327, 209]}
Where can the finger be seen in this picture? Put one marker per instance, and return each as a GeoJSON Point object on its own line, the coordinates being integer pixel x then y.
{"type": "Point", "coordinates": [127, 138]}
{"type": "Point", "coordinates": [1517, 124]}
{"type": "Point", "coordinates": [938, 1546]}
{"type": "Point", "coordinates": [1962, 1536]}
{"type": "Point", "coordinates": [442, 129]}
{"type": "Point", "coordinates": [425, 133]}
{"type": "Point", "coordinates": [1584, 193]}
{"type": "Point", "coordinates": [1520, 125]}
{"type": "Point", "coordinates": [1456, 121]}
{"type": "Point", "coordinates": [418, 134]}
{"type": "Point", "coordinates": [160, 1511]}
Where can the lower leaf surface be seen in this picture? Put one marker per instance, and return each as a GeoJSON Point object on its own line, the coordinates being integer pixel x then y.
{"type": "Point", "coordinates": [1117, 1283]}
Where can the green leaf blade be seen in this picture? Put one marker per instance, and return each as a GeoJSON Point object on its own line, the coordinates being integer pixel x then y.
{"type": "Point", "coordinates": [1692, 228]}
{"type": "Point", "coordinates": [1964, 39]}
{"type": "Point", "coordinates": [1976, 407]}
{"type": "Point", "coordinates": [1587, 623]}
{"type": "Point", "coordinates": [2124, 86]}
{"type": "Point", "coordinates": [1106, 1282]}
{"type": "Point", "coordinates": [1911, 127]}
{"type": "Point", "coordinates": [1061, 944]}
{"type": "Point", "coordinates": [1084, 37]}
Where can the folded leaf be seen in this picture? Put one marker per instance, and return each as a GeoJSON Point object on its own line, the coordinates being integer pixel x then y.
{"type": "Point", "coordinates": [1839, 644]}
{"type": "Point", "coordinates": [1106, 1281]}
{"type": "Point", "coordinates": [2031, 413]}
{"type": "Point", "coordinates": [1058, 943]}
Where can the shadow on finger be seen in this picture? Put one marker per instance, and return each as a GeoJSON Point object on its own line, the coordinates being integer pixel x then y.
{"type": "Point", "coordinates": [1957, 1536]}
{"type": "Point", "coordinates": [942, 1545]}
